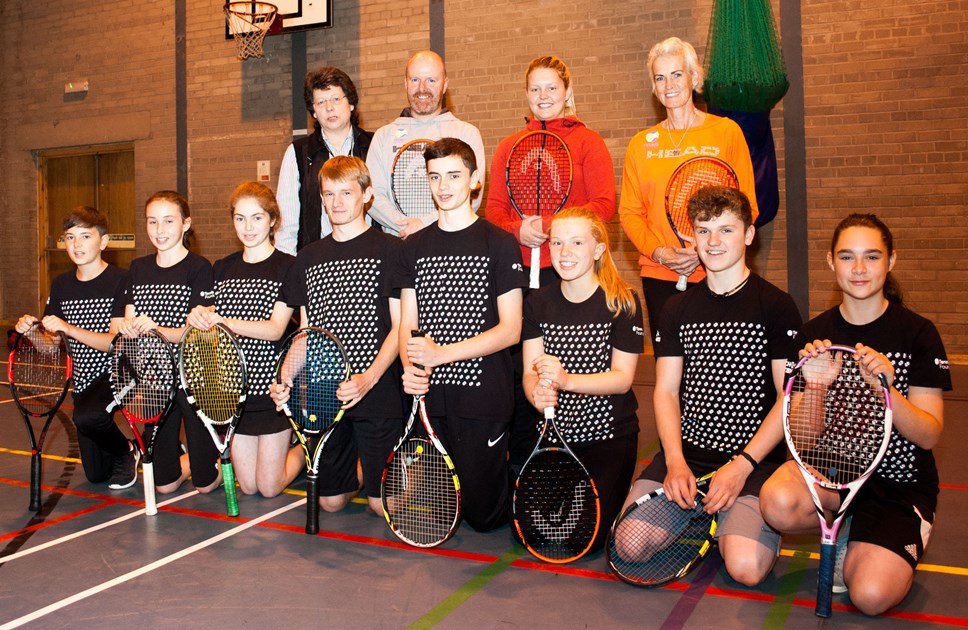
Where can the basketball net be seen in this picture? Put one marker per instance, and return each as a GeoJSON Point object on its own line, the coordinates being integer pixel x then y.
{"type": "Point", "coordinates": [249, 22]}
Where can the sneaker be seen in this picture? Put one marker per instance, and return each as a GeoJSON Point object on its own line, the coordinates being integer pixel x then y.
{"type": "Point", "coordinates": [125, 470]}
{"type": "Point", "coordinates": [839, 585]}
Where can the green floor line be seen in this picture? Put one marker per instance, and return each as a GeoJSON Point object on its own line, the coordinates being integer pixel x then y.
{"type": "Point", "coordinates": [476, 583]}
{"type": "Point", "coordinates": [776, 616]}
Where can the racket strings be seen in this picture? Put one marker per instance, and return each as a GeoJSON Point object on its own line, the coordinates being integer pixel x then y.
{"type": "Point", "coordinates": [213, 371]}
{"type": "Point", "coordinates": [539, 174]}
{"type": "Point", "coordinates": [656, 541]}
{"type": "Point", "coordinates": [39, 372]}
{"type": "Point", "coordinates": [143, 375]}
{"type": "Point", "coordinates": [556, 506]}
{"type": "Point", "coordinates": [836, 419]}
{"type": "Point", "coordinates": [690, 177]}
{"type": "Point", "coordinates": [409, 181]}
{"type": "Point", "coordinates": [419, 493]}
{"type": "Point", "coordinates": [321, 368]}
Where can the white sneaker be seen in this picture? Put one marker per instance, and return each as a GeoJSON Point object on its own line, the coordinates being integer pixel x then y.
{"type": "Point", "coordinates": [839, 585]}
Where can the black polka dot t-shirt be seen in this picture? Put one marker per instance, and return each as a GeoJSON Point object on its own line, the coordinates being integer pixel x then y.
{"type": "Point", "coordinates": [167, 294]}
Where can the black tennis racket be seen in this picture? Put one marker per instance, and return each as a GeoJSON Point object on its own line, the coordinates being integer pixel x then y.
{"type": "Point", "coordinates": [39, 372]}
{"type": "Point", "coordinates": [655, 542]}
{"type": "Point", "coordinates": [539, 175]}
{"type": "Point", "coordinates": [420, 488]}
{"type": "Point", "coordinates": [313, 364]}
{"type": "Point", "coordinates": [408, 180]}
{"type": "Point", "coordinates": [556, 508]}
{"type": "Point", "coordinates": [692, 175]}
{"type": "Point", "coordinates": [213, 375]}
{"type": "Point", "coordinates": [837, 422]}
{"type": "Point", "coordinates": [144, 377]}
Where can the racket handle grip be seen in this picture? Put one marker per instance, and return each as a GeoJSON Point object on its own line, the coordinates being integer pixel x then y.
{"type": "Point", "coordinates": [148, 470]}
{"type": "Point", "coordinates": [231, 498]}
{"type": "Point", "coordinates": [534, 281]}
{"type": "Point", "coordinates": [35, 462]}
{"type": "Point", "coordinates": [312, 504]}
{"type": "Point", "coordinates": [825, 580]}
{"type": "Point", "coordinates": [681, 284]}
{"type": "Point", "coordinates": [417, 333]}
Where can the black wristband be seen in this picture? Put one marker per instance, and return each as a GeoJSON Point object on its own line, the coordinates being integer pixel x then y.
{"type": "Point", "coordinates": [747, 457]}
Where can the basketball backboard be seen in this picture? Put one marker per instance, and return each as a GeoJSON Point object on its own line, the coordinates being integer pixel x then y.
{"type": "Point", "coordinates": [299, 15]}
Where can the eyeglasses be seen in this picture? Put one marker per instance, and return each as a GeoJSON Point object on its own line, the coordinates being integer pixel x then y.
{"type": "Point", "coordinates": [334, 101]}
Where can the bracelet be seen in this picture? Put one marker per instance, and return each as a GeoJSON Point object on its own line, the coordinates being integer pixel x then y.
{"type": "Point", "coordinates": [747, 457]}
{"type": "Point", "coordinates": [658, 258]}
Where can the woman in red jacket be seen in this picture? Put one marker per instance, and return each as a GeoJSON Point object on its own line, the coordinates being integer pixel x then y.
{"type": "Point", "coordinates": [550, 98]}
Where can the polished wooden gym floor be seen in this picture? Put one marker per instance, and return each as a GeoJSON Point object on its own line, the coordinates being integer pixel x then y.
{"type": "Point", "coordinates": [92, 559]}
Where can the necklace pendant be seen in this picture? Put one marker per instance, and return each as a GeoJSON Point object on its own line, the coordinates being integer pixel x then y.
{"type": "Point", "coordinates": [675, 152]}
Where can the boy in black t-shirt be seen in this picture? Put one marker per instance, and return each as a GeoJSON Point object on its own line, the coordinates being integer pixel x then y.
{"type": "Point", "coordinates": [721, 350]}
{"type": "Point", "coordinates": [343, 283]}
{"type": "Point", "coordinates": [462, 282]}
{"type": "Point", "coordinates": [86, 305]}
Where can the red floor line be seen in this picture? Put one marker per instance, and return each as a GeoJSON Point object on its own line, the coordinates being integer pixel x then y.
{"type": "Point", "coordinates": [55, 521]}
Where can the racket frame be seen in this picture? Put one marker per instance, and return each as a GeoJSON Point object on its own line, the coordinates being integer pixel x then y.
{"type": "Point", "coordinates": [411, 434]}
{"type": "Point", "coordinates": [813, 480]}
{"type": "Point", "coordinates": [225, 335]}
{"type": "Point", "coordinates": [535, 268]}
{"type": "Point", "coordinates": [733, 182]}
{"type": "Point", "coordinates": [311, 441]}
{"type": "Point", "coordinates": [421, 144]}
{"type": "Point", "coordinates": [37, 440]}
{"type": "Point", "coordinates": [518, 507]}
{"type": "Point", "coordinates": [702, 549]}
{"type": "Point", "coordinates": [119, 391]}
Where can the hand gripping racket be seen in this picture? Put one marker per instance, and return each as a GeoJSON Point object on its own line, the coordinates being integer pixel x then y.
{"type": "Point", "coordinates": [39, 372]}
{"type": "Point", "coordinates": [654, 541]}
{"type": "Point", "coordinates": [144, 378]}
{"type": "Point", "coordinates": [556, 508]}
{"type": "Point", "coordinates": [408, 180]}
{"type": "Point", "coordinates": [213, 375]}
{"type": "Point", "coordinates": [313, 364]}
{"type": "Point", "coordinates": [690, 176]}
{"type": "Point", "coordinates": [420, 488]}
{"type": "Point", "coordinates": [837, 424]}
{"type": "Point", "coordinates": [539, 176]}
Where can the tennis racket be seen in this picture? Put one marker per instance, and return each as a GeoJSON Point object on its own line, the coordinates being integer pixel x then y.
{"type": "Point", "coordinates": [556, 510]}
{"type": "Point", "coordinates": [313, 364]}
{"type": "Point", "coordinates": [213, 375]}
{"type": "Point", "coordinates": [420, 488]}
{"type": "Point", "coordinates": [837, 424]}
{"type": "Point", "coordinates": [690, 176]}
{"type": "Point", "coordinates": [408, 180]}
{"type": "Point", "coordinates": [144, 377]}
{"type": "Point", "coordinates": [654, 541]}
{"type": "Point", "coordinates": [39, 372]}
{"type": "Point", "coordinates": [538, 175]}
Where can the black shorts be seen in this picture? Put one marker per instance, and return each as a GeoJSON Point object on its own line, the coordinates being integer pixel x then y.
{"type": "Point", "coordinates": [891, 516]}
{"type": "Point", "coordinates": [371, 440]}
{"type": "Point", "coordinates": [611, 464]}
{"type": "Point", "coordinates": [261, 418]}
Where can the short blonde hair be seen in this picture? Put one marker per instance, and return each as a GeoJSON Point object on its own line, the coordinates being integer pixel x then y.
{"type": "Point", "coordinates": [673, 47]}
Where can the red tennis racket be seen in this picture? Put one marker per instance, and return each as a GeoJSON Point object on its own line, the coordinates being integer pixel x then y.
{"type": "Point", "coordinates": [692, 175]}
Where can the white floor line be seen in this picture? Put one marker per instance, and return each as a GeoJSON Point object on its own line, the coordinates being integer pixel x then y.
{"type": "Point", "coordinates": [83, 532]}
{"type": "Point", "coordinates": [46, 610]}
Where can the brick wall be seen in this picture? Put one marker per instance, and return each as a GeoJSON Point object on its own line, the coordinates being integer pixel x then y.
{"type": "Point", "coordinates": [883, 110]}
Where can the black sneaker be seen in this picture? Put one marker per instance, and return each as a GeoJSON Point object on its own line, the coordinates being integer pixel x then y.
{"type": "Point", "coordinates": [125, 470]}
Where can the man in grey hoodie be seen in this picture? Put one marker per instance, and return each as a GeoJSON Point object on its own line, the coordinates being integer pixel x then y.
{"type": "Point", "coordinates": [426, 119]}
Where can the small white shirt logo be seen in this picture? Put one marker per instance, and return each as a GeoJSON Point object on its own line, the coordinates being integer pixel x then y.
{"type": "Point", "coordinates": [491, 443]}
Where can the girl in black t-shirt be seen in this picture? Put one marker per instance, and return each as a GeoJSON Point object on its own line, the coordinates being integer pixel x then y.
{"type": "Point", "coordinates": [891, 518]}
{"type": "Point", "coordinates": [582, 338]}
{"type": "Point", "coordinates": [165, 286]}
{"type": "Point", "coordinates": [248, 301]}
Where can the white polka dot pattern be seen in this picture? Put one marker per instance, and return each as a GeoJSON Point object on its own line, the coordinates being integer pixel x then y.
{"type": "Point", "coordinates": [452, 301]}
{"type": "Point", "coordinates": [900, 463]}
{"type": "Point", "coordinates": [343, 297]}
{"type": "Point", "coordinates": [582, 349]}
{"type": "Point", "coordinates": [93, 315]}
{"type": "Point", "coordinates": [166, 304]}
{"type": "Point", "coordinates": [726, 369]}
{"type": "Point", "coordinates": [251, 299]}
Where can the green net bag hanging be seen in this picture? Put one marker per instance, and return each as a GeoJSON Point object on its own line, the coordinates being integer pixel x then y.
{"type": "Point", "coordinates": [744, 63]}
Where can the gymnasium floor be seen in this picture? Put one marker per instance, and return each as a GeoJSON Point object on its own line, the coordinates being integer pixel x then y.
{"type": "Point", "coordinates": [191, 565]}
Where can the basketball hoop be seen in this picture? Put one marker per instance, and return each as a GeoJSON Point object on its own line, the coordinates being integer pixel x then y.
{"type": "Point", "coordinates": [249, 22]}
